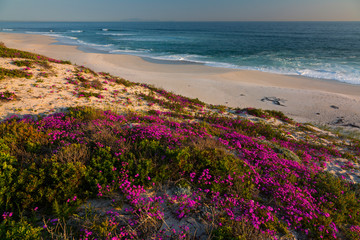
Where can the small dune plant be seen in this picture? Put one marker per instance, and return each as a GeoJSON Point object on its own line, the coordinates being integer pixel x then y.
{"type": "Point", "coordinates": [8, 96]}
{"type": "Point", "coordinates": [85, 94]}
{"type": "Point", "coordinates": [266, 114]}
{"type": "Point", "coordinates": [23, 63]}
{"type": "Point", "coordinates": [14, 73]}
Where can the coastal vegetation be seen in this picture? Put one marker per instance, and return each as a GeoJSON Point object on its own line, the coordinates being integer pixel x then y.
{"type": "Point", "coordinates": [14, 73]}
{"type": "Point", "coordinates": [15, 53]}
{"type": "Point", "coordinates": [182, 170]}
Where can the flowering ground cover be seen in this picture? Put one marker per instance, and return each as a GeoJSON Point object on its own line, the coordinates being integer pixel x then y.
{"type": "Point", "coordinates": [184, 171]}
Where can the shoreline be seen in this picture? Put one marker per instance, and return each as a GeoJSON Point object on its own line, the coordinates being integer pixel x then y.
{"type": "Point", "coordinates": [150, 59]}
{"type": "Point", "coordinates": [302, 98]}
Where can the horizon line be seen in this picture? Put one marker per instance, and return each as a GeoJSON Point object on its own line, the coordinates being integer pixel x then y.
{"type": "Point", "coordinates": [182, 21]}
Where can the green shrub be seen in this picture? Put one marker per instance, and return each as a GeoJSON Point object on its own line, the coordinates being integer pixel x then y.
{"type": "Point", "coordinates": [257, 112]}
{"type": "Point", "coordinates": [8, 178]}
{"type": "Point", "coordinates": [267, 114]}
{"type": "Point", "coordinates": [279, 115]}
{"type": "Point", "coordinates": [96, 84]}
{"type": "Point", "coordinates": [63, 180]}
{"type": "Point", "coordinates": [86, 70]}
{"type": "Point", "coordinates": [14, 73]}
{"type": "Point", "coordinates": [102, 169]}
{"type": "Point", "coordinates": [344, 206]}
{"type": "Point", "coordinates": [23, 63]}
{"type": "Point", "coordinates": [12, 229]}
{"type": "Point", "coordinates": [85, 113]}
{"type": "Point", "coordinates": [124, 82]}
{"type": "Point", "coordinates": [44, 64]}
{"type": "Point", "coordinates": [8, 96]}
{"type": "Point", "coordinates": [147, 158]}
{"type": "Point", "coordinates": [89, 94]}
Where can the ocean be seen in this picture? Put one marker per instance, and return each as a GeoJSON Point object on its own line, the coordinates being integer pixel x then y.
{"type": "Point", "coordinates": [326, 50]}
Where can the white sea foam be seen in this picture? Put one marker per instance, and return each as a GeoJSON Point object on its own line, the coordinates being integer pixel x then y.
{"type": "Point", "coordinates": [115, 34]}
{"type": "Point", "coordinates": [129, 51]}
{"type": "Point", "coordinates": [338, 74]}
{"type": "Point", "coordinates": [151, 39]}
{"type": "Point", "coordinates": [8, 29]}
{"type": "Point", "coordinates": [179, 57]}
{"type": "Point", "coordinates": [59, 36]}
{"type": "Point", "coordinates": [52, 34]}
{"type": "Point", "coordinates": [353, 78]}
{"type": "Point", "coordinates": [76, 31]}
{"type": "Point", "coordinates": [93, 44]}
{"type": "Point", "coordinates": [31, 32]}
{"type": "Point", "coordinates": [193, 58]}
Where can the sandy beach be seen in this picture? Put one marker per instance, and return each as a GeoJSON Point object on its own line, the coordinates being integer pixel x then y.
{"type": "Point", "coordinates": [303, 99]}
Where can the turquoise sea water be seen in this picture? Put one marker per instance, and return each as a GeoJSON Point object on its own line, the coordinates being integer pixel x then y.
{"type": "Point", "coordinates": [327, 50]}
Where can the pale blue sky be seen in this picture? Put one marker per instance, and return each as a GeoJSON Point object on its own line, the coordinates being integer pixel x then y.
{"type": "Point", "coordinates": [184, 10]}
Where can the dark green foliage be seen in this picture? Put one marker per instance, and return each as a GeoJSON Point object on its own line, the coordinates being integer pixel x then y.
{"type": "Point", "coordinates": [166, 104]}
{"type": "Point", "coordinates": [63, 180]}
{"type": "Point", "coordinates": [267, 114]}
{"type": "Point", "coordinates": [247, 127]}
{"type": "Point", "coordinates": [30, 63]}
{"type": "Point", "coordinates": [8, 175]}
{"type": "Point", "coordinates": [220, 108]}
{"type": "Point", "coordinates": [343, 204]}
{"type": "Point", "coordinates": [89, 94]}
{"type": "Point", "coordinates": [234, 230]}
{"type": "Point", "coordinates": [256, 112]}
{"type": "Point", "coordinates": [86, 70]}
{"type": "Point", "coordinates": [279, 115]}
{"type": "Point", "coordinates": [224, 233]}
{"type": "Point", "coordinates": [124, 82]}
{"type": "Point", "coordinates": [85, 113]}
{"type": "Point", "coordinates": [285, 153]}
{"type": "Point", "coordinates": [101, 169]}
{"type": "Point", "coordinates": [44, 64]}
{"type": "Point", "coordinates": [145, 158]}
{"type": "Point", "coordinates": [8, 96]}
{"type": "Point", "coordinates": [19, 229]}
{"type": "Point", "coordinates": [27, 178]}
{"type": "Point", "coordinates": [192, 103]}
{"type": "Point", "coordinates": [33, 186]}
{"type": "Point", "coordinates": [259, 129]}
{"type": "Point", "coordinates": [14, 73]}
{"type": "Point", "coordinates": [23, 63]}
{"type": "Point", "coordinates": [96, 84]}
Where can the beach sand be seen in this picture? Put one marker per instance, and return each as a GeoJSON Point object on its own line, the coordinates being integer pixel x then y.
{"type": "Point", "coordinates": [303, 99]}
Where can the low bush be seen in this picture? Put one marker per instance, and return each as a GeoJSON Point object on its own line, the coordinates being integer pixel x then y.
{"type": "Point", "coordinates": [23, 63]}
{"type": "Point", "coordinates": [8, 96]}
{"type": "Point", "coordinates": [14, 73]}
{"type": "Point", "coordinates": [81, 94]}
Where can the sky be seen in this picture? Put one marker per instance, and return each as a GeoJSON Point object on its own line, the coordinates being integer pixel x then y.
{"type": "Point", "coordinates": [184, 10]}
